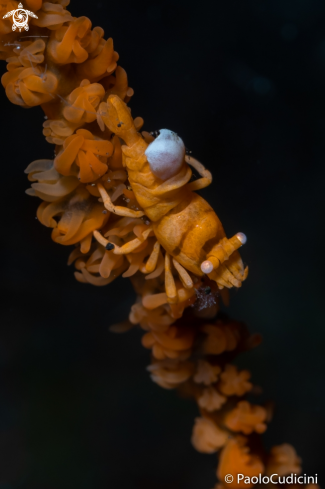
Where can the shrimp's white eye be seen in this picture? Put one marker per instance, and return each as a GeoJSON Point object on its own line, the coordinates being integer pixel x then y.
{"type": "Point", "coordinates": [165, 154]}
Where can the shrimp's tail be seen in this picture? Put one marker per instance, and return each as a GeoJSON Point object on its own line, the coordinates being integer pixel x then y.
{"type": "Point", "coordinates": [224, 264]}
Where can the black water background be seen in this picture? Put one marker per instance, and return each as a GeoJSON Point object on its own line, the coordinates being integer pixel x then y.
{"type": "Point", "coordinates": [243, 84]}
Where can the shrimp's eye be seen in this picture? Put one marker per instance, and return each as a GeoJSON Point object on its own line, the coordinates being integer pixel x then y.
{"type": "Point", "coordinates": [165, 154]}
{"type": "Point", "coordinates": [155, 134]}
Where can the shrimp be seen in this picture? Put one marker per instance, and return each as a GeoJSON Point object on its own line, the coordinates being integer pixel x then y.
{"type": "Point", "coordinates": [184, 224]}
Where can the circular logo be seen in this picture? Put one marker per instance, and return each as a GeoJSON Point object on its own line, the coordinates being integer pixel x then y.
{"type": "Point", "coordinates": [229, 478]}
{"type": "Point", "coordinates": [20, 17]}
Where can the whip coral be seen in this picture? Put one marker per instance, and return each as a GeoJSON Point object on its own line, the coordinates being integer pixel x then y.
{"type": "Point", "coordinates": [126, 201]}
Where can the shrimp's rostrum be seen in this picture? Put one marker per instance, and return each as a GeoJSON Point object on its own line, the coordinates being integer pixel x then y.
{"type": "Point", "coordinates": [183, 223]}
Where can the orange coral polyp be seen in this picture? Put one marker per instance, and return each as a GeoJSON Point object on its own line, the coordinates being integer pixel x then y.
{"type": "Point", "coordinates": [158, 319]}
{"type": "Point", "coordinates": [56, 131]}
{"type": "Point", "coordinates": [173, 343]}
{"type": "Point", "coordinates": [96, 266]}
{"type": "Point", "coordinates": [211, 400]}
{"type": "Point", "coordinates": [67, 44]}
{"type": "Point", "coordinates": [169, 374]}
{"type": "Point", "coordinates": [283, 460]}
{"type": "Point", "coordinates": [207, 437]}
{"type": "Point", "coordinates": [28, 54]}
{"type": "Point", "coordinates": [235, 459]}
{"type": "Point", "coordinates": [79, 214]}
{"type": "Point", "coordinates": [52, 14]}
{"type": "Point", "coordinates": [29, 87]}
{"type": "Point", "coordinates": [206, 373]}
{"type": "Point", "coordinates": [220, 338]}
{"type": "Point", "coordinates": [247, 418]}
{"type": "Point", "coordinates": [233, 382]}
{"type": "Point", "coordinates": [83, 102]}
{"type": "Point", "coordinates": [101, 63]}
{"type": "Point", "coordinates": [118, 84]}
{"type": "Point", "coordinates": [89, 154]}
{"type": "Point", "coordinates": [50, 185]}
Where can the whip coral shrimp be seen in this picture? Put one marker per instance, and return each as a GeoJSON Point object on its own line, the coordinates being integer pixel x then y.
{"type": "Point", "coordinates": [183, 223]}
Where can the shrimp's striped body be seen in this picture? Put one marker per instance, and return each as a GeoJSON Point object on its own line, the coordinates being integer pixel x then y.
{"type": "Point", "coordinates": [183, 222]}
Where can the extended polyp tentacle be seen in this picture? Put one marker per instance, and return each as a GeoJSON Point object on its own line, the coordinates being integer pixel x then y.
{"type": "Point", "coordinates": [222, 251]}
{"type": "Point", "coordinates": [116, 209]}
{"type": "Point", "coordinates": [126, 248]}
{"type": "Point", "coordinates": [205, 174]}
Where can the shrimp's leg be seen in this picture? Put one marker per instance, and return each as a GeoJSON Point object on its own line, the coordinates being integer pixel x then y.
{"type": "Point", "coordinates": [153, 258]}
{"type": "Point", "coordinates": [221, 252]}
{"type": "Point", "coordinates": [183, 275]}
{"type": "Point", "coordinates": [236, 267]}
{"type": "Point", "coordinates": [231, 273]}
{"type": "Point", "coordinates": [116, 209]}
{"type": "Point", "coordinates": [170, 285]}
{"type": "Point", "coordinates": [126, 248]}
{"type": "Point", "coordinates": [205, 174]}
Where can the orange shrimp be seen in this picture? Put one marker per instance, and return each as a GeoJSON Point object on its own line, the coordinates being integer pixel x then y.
{"type": "Point", "coordinates": [183, 222]}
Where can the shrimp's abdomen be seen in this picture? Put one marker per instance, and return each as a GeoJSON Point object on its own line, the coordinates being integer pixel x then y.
{"type": "Point", "coordinates": [189, 231]}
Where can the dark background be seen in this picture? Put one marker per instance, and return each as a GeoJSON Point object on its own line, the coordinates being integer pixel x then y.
{"type": "Point", "coordinates": [242, 82]}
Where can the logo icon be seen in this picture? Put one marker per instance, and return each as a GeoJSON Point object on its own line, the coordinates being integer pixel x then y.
{"type": "Point", "coordinates": [229, 478]}
{"type": "Point", "coordinates": [20, 18]}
